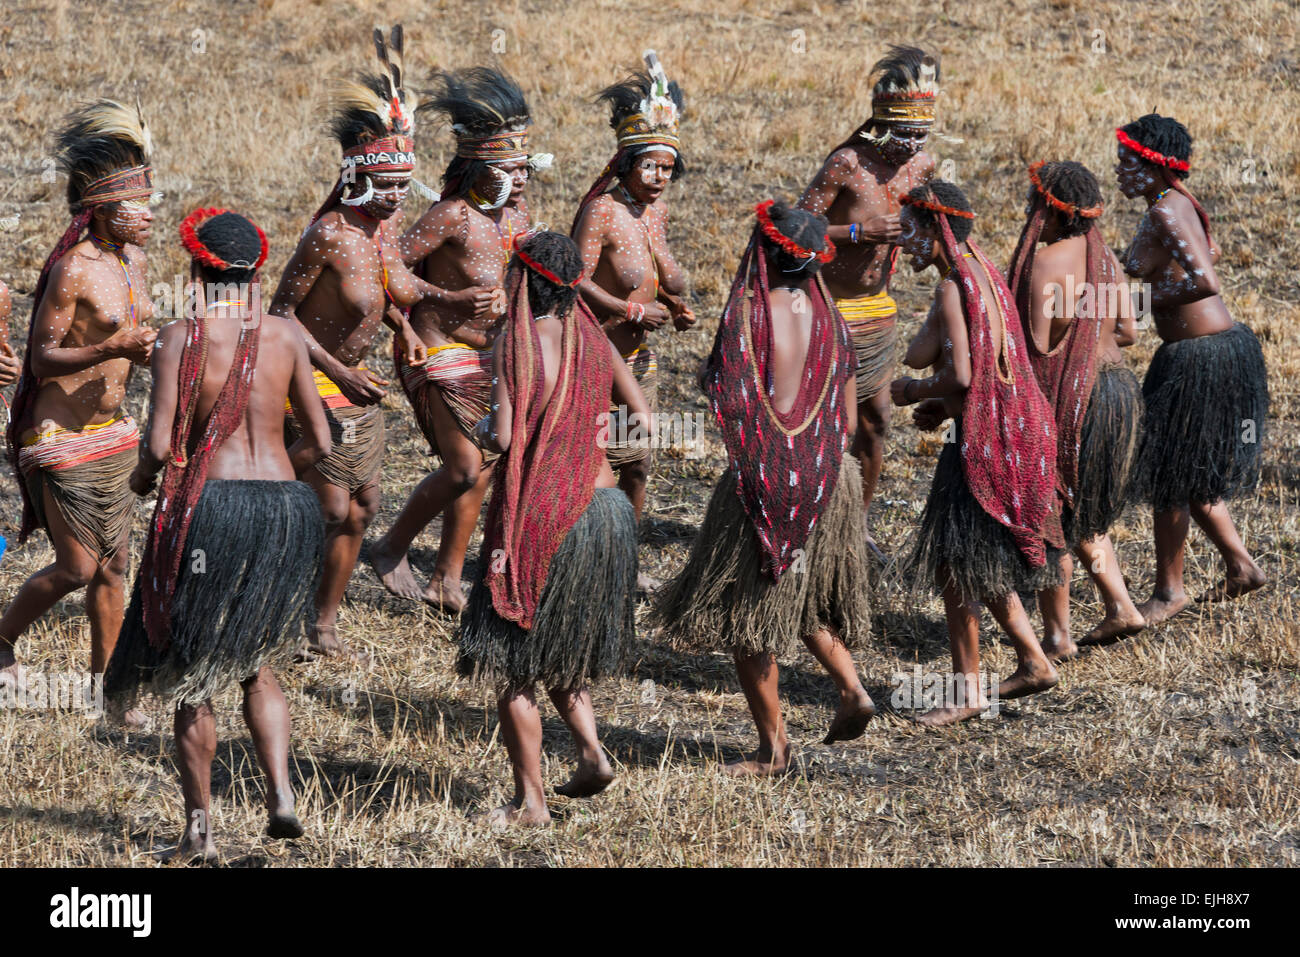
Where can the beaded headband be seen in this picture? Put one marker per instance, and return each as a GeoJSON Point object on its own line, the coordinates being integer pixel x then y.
{"type": "Point", "coordinates": [190, 240]}
{"type": "Point", "coordinates": [1069, 209]}
{"type": "Point", "coordinates": [390, 154]}
{"type": "Point", "coordinates": [1150, 155]}
{"type": "Point", "coordinates": [763, 211]}
{"type": "Point", "coordinates": [126, 184]}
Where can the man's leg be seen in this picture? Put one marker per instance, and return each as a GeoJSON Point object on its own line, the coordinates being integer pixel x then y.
{"type": "Point", "coordinates": [266, 714]}
{"type": "Point", "coordinates": [1034, 673]}
{"type": "Point", "coordinates": [196, 745]}
{"type": "Point", "coordinates": [855, 708]}
{"type": "Point", "coordinates": [521, 730]}
{"type": "Point", "coordinates": [460, 471]}
{"type": "Point", "coordinates": [760, 679]}
{"type": "Point", "coordinates": [1122, 616]}
{"type": "Point", "coordinates": [1168, 598]}
{"type": "Point", "coordinates": [106, 606]}
{"type": "Point", "coordinates": [1241, 575]}
{"type": "Point", "coordinates": [869, 446]}
{"type": "Point", "coordinates": [458, 521]}
{"type": "Point", "coordinates": [964, 640]}
{"type": "Point", "coordinates": [345, 523]}
{"type": "Point", "coordinates": [1054, 605]}
{"type": "Point", "coordinates": [74, 566]}
{"type": "Point", "coordinates": [594, 773]}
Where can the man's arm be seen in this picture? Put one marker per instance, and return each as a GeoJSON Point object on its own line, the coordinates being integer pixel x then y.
{"type": "Point", "coordinates": [315, 442]}
{"type": "Point", "coordinates": [431, 232]}
{"type": "Point", "coordinates": [835, 175]}
{"type": "Point", "coordinates": [157, 445]}
{"type": "Point", "coordinates": [10, 367]}
{"type": "Point", "coordinates": [68, 286]}
{"type": "Point", "coordinates": [493, 431]}
{"type": "Point", "coordinates": [1126, 314]}
{"type": "Point", "coordinates": [953, 375]}
{"type": "Point", "coordinates": [1179, 233]}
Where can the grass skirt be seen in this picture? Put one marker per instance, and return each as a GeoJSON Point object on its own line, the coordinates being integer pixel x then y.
{"type": "Point", "coordinates": [645, 367]}
{"type": "Point", "coordinates": [357, 450]}
{"type": "Point", "coordinates": [722, 600]}
{"type": "Point", "coordinates": [247, 580]}
{"type": "Point", "coordinates": [1206, 405]}
{"type": "Point", "coordinates": [584, 623]}
{"type": "Point", "coordinates": [1112, 429]}
{"type": "Point", "coordinates": [981, 557]}
{"type": "Point", "coordinates": [93, 498]}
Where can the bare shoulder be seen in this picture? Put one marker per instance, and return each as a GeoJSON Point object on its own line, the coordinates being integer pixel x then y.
{"type": "Point", "coordinates": [843, 161]}
{"type": "Point", "coordinates": [277, 329]}
{"type": "Point", "coordinates": [922, 164]}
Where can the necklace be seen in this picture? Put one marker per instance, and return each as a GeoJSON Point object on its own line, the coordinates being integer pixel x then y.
{"type": "Point", "coordinates": [116, 249]}
{"type": "Point", "coordinates": [1162, 194]}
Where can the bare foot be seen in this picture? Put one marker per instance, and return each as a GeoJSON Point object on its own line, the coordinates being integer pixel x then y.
{"type": "Point", "coordinates": [1156, 610]}
{"type": "Point", "coordinates": [851, 718]}
{"type": "Point", "coordinates": [136, 720]}
{"type": "Point", "coordinates": [394, 571]}
{"type": "Point", "coordinates": [323, 641]}
{"type": "Point", "coordinates": [192, 850]}
{"type": "Point", "coordinates": [1114, 627]}
{"type": "Point", "coordinates": [1234, 586]}
{"type": "Point", "coordinates": [446, 596]}
{"type": "Point", "coordinates": [942, 717]}
{"type": "Point", "coordinates": [760, 764]}
{"type": "Point", "coordinates": [645, 585]}
{"type": "Point", "coordinates": [1059, 647]}
{"type": "Point", "coordinates": [512, 814]}
{"type": "Point", "coordinates": [1027, 680]}
{"type": "Point", "coordinates": [591, 777]}
{"type": "Point", "coordinates": [283, 825]}
{"type": "Point", "coordinates": [875, 550]}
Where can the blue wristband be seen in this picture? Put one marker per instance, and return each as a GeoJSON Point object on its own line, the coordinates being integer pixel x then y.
{"type": "Point", "coordinates": [853, 233]}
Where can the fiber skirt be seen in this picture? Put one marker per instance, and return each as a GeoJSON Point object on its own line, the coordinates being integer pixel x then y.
{"type": "Point", "coordinates": [357, 449]}
{"type": "Point", "coordinates": [584, 624]}
{"type": "Point", "coordinates": [722, 600]}
{"type": "Point", "coordinates": [960, 541]}
{"type": "Point", "coordinates": [94, 499]}
{"type": "Point", "coordinates": [1108, 446]}
{"type": "Point", "coordinates": [247, 580]}
{"type": "Point", "coordinates": [1206, 406]}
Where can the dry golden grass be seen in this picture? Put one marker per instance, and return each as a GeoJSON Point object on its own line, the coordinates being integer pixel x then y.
{"type": "Point", "coordinates": [1177, 748]}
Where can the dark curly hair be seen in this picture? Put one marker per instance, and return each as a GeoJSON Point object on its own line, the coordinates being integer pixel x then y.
{"type": "Point", "coordinates": [624, 99]}
{"type": "Point", "coordinates": [805, 228]}
{"type": "Point", "coordinates": [1072, 183]}
{"type": "Point", "coordinates": [946, 194]}
{"type": "Point", "coordinates": [559, 254]}
{"type": "Point", "coordinates": [1165, 135]}
{"type": "Point", "coordinates": [234, 239]}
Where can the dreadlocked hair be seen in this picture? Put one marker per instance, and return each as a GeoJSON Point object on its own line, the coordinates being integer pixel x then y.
{"type": "Point", "coordinates": [624, 99]}
{"type": "Point", "coordinates": [1165, 135]}
{"type": "Point", "coordinates": [945, 194]}
{"type": "Point", "coordinates": [559, 254]}
{"type": "Point", "coordinates": [99, 139]}
{"type": "Point", "coordinates": [1072, 183]}
{"type": "Point", "coordinates": [359, 109]}
{"type": "Point", "coordinates": [806, 229]}
{"type": "Point", "coordinates": [478, 101]}
{"type": "Point", "coordinates": [235, 239]}
{"type": "Point", "coordinates": [905, 68]}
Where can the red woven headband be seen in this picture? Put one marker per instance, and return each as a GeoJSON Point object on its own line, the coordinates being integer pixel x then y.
{"type": "Point", "coordinates": [934, 207]}
{"type": "Point", "coordinates": [190, 240]}
{"type": "Point", "coordinates": [1069, 209]}
{"type": "Point", "coordinates": [762, 210]}
{"type": "Point", "coordinates": [537, 267]}
{"type": "Point", "coordinates": [1150, 155]}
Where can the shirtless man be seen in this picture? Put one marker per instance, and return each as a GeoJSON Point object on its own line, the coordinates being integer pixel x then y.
{"type": "Point", "coordinates": [1206, 390]}
{"type": "Point", "coordinates": [234, 499]}
{"type": "Point", "coordinates": [857, 190]}
{"type": "Point", "coordinates": [1077, 313]}
{"type": "Point", "coordinates": [68, 436]}
{"type": "Point", "coordinates": [346, 278]}
{"type": "Point", "coordinates": [461, 246]}
{"type": "Point", "coordinates": [988, 523]}
{"type": "Point", "coordinates": [631, 282]}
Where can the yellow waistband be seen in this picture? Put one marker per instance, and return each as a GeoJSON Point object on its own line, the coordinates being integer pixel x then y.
{"type": "Point", "coordinates": [629, 355]}
{"type": "Point", "coordinates": [434, 350]}
{"type": "Point", "coordinates": [868, 307]}
{"type": "Point", "coordinates": [325, 387]}
{"type": "Point", "coordinates": [58, 429]}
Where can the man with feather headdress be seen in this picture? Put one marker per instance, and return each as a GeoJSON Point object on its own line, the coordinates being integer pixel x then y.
{"type": "Point", "coordinates": [69, 437]}
{"type": "Point", "coordinates": [857, 190]}
{"type": "Point", "coordinates": [346, 278]}
{"type": "Point", "coordinates": [461, 245]}
{"type": "Point", "coordinates": [631, 281]}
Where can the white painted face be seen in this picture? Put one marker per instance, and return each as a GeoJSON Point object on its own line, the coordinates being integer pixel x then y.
{"type": "Point", "coordinates": [1133, 174]}
{"type": "Point", "coordinates": [651, 172]}
{"type": "Point", "coordinates": [915, 241]}
{"type": "Point", "coordinates": [130, 222]}
{"type": "Point", "coordinates": [388, 194]}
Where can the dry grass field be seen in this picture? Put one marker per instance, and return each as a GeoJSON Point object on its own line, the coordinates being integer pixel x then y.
{"type": "Point", "coordinates": [1179, 747]}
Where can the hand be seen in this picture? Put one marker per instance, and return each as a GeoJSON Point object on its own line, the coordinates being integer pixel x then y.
{"type": "Point", "coordinates": [10, 367]}
{"type": "Point", "coordinates": [409, 344]}
{"type": "Point", "coordinates": [359, 388]}
{"type": "Point", "coordinates": [134, 344]}
{"type": "Point", "coordinates": [142, 483]}
{"type": "Point", "coordinates": [656, 314]}
{"type": "Point", "coordinates": [898, 390]}
{"type": "Point", "coordinates": [880, 229]}
{"type": "Point", "coordinates": [929, 414]}
{"type": "Point", "coordinates": [683, 315]}
{"type": "Point", "coordinates": [476, 301]}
